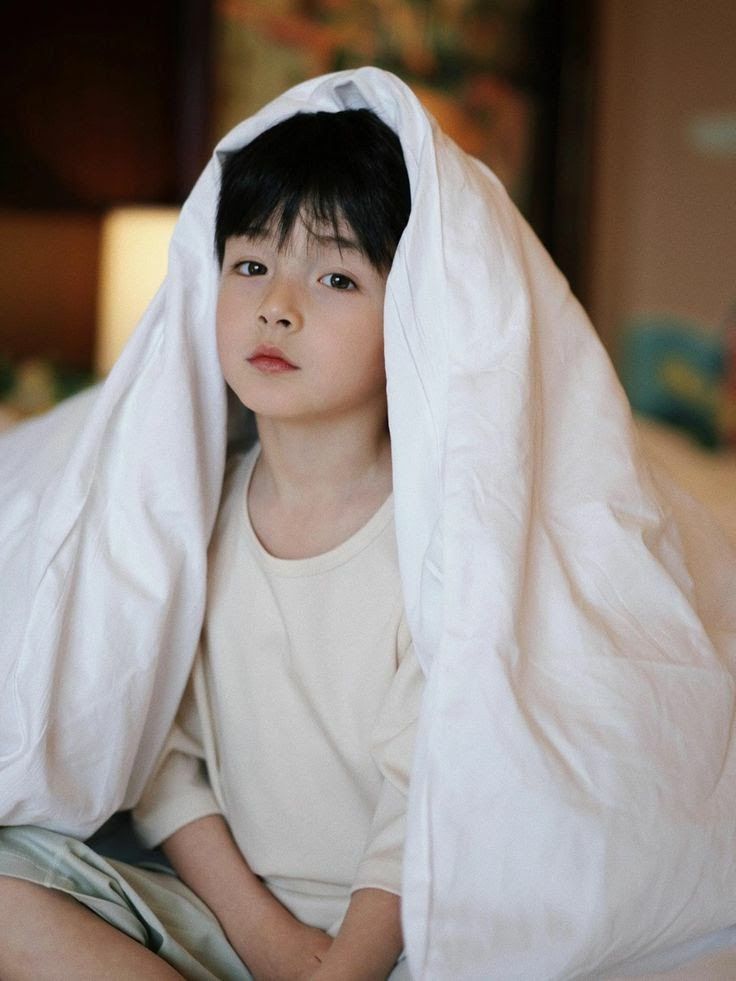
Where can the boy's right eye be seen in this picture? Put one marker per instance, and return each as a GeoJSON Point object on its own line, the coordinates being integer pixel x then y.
{"type": "Point", "coordinates": [251, 268]}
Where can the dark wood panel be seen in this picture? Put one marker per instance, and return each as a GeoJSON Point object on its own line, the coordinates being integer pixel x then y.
{"type": "Point", "coordinates": [100, 102]}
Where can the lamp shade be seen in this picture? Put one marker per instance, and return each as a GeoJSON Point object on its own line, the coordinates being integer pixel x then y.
{"type": "Point", "coordinates": [133, 258]}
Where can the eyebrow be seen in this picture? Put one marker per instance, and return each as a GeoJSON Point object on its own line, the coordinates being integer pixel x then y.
{"type": "Point", "coordinates": [337, 240]}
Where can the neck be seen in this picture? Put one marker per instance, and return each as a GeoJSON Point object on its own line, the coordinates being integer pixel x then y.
{"type": "Point", "coordinates": [301, 463]}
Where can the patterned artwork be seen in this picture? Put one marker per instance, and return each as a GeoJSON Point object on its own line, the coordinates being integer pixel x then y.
{"type": "Point", "coordinates": [469, 61]}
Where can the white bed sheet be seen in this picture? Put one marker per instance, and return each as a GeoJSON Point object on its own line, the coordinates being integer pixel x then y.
{"type": "Point", "coordinates": [709, 476]}
{"type": "Point", "coordinates": [710, 958]}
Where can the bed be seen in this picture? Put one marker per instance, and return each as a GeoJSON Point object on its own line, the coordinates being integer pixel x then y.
{"type": "Point", "coordinates": [707, 475]}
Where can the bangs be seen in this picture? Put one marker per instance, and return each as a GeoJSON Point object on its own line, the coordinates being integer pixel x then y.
{"type": "Point", "coordinates": [325, 169]}
{"type": "Point", "coordinates": [318, 216]}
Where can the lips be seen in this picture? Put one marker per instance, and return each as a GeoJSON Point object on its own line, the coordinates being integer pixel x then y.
{"type": "Point", "coordinates": [270, 360]}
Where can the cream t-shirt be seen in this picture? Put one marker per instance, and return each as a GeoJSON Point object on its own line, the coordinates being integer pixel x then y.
{"type": "Point", "coordinates": [298, 722]}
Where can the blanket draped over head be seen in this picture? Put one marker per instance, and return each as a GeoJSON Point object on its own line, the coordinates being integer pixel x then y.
{"type": "Point", "coordinates": [574, 793]}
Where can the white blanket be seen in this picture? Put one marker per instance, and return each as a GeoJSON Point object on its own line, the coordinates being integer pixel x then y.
{"type": "Point", "coordinates": [574, 791]}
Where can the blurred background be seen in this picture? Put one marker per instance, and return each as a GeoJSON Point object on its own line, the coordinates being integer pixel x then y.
{"type": "Point", "coordinates": [611, 122]}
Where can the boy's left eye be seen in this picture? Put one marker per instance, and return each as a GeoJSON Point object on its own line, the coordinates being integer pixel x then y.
{"type": "Point", "coordinates": [251, 268]}
{"type": "Point", "coordinates": [338, 281]}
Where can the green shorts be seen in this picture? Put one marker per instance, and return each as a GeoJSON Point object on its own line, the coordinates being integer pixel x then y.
{"type": "Point", "coordinates": [147, 902]}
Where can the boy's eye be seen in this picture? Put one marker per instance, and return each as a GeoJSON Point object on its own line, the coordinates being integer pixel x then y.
{"type": "Point", "coordinates": [338, 281]}
{"type": "Point", "coordinates": [250, 268]}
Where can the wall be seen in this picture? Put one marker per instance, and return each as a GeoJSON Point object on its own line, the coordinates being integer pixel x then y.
{"type": "Point", "coordinates": [48, 285]}
{"type": "Point", "coordinates": [102, 105]}
{"type": "Point", "coordinates": [663, 232]}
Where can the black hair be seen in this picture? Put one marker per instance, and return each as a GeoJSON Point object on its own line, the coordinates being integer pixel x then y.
{"type": "Point", "coordinates": [323, 167]}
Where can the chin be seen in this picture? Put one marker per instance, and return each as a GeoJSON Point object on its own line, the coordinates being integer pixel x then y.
{"type": "Point", "coordinates": [270, 408]}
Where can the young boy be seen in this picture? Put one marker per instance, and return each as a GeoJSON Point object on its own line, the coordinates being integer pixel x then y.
{"type": "Point", "coordinates": [280, 796]}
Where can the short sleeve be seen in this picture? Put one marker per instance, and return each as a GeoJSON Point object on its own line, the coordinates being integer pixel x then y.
{"type": "Point", "coordinates": [393, 748]}
{"type": "Point", "coordinates": [179, 791]}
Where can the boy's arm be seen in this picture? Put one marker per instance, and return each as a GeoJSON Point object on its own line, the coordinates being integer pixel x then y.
{"type": "Point", "coordinates": [369, 941]}
{"type": "Point", "coordinates": [272, 943]}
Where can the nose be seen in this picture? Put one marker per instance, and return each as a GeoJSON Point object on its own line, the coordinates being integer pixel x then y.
{"type": "Point", "coordinates": [279, 307]}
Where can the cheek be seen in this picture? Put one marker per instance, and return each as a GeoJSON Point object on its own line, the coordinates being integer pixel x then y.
{"type": "Point", "coordinates": [369, 371]}
{"type": "Point", "coordinates": [224, 326]}
{"type": "Point", "coordinates": [374, 361]}
{"type": "Point", "coordinates": [228, 354]}
{"type": "Point", "coordinates": [377, 355]}
{"type": "Point", "coordinates": [362, 353]}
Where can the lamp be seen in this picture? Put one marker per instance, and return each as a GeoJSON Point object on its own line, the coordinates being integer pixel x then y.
{"type": "Point", "coordinates": [133, 258]}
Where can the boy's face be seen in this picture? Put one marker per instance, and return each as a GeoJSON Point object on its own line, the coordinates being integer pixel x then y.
{"type": "Point", "coordinates": [300, 328]}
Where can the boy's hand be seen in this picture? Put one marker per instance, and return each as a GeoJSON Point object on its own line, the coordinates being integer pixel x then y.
{"type": "Point", "coordinates": [369, 941]}
{"type": "Point", "coordinates": [272, 943]}
{"type": "Point", "coordinates": [293, 952]}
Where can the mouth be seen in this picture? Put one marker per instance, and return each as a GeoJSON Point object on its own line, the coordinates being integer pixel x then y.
{"type": "Point", "coordinates": [270, 360]}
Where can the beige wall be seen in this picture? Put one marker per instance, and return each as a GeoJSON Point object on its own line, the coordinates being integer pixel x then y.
{"type": "Point", "coordinates": [663, 230]}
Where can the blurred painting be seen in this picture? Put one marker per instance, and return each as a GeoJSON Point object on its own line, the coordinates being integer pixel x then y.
{"type": "Point", "coordinates": [471, 62]}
